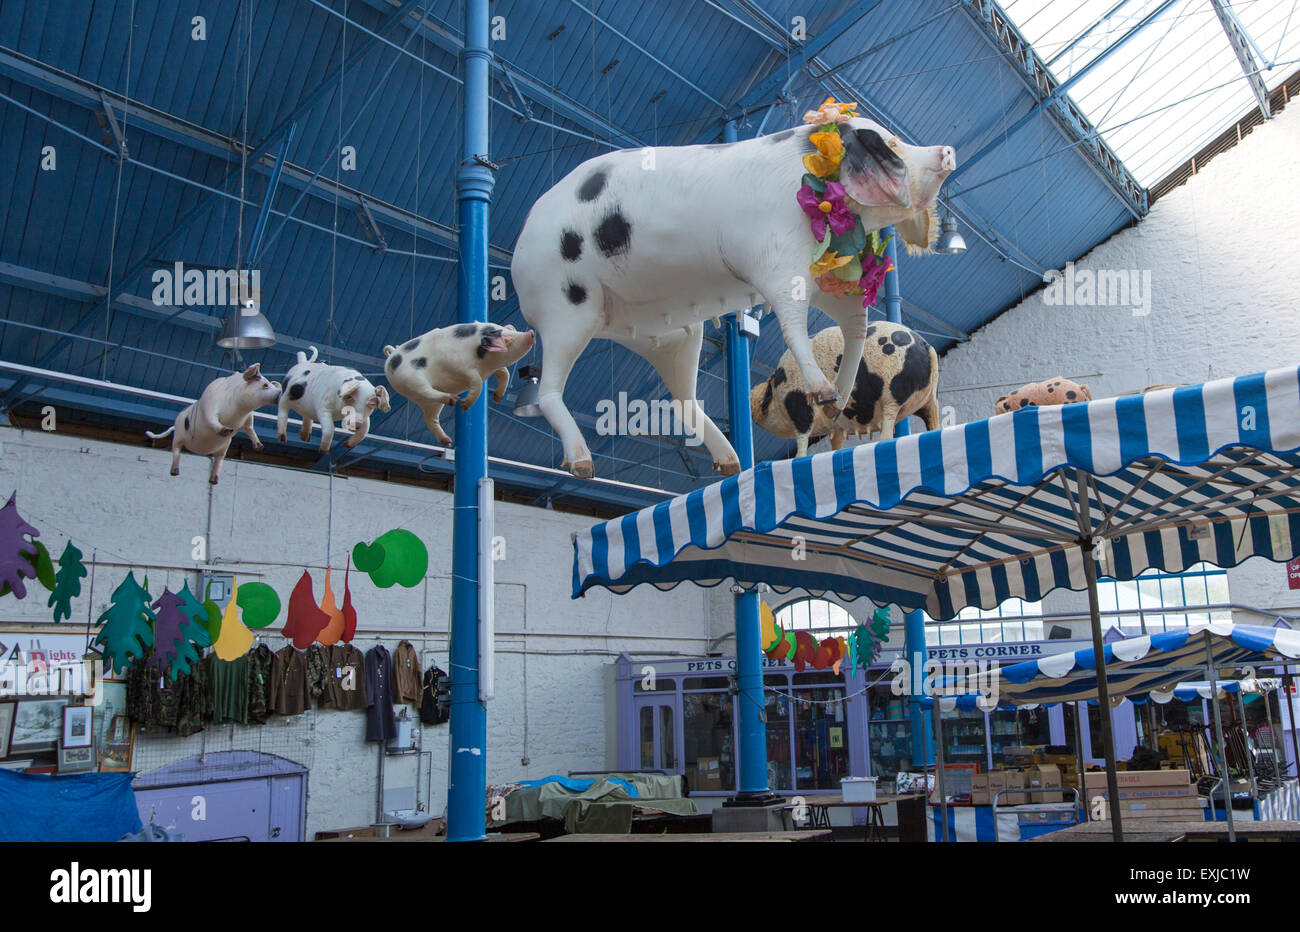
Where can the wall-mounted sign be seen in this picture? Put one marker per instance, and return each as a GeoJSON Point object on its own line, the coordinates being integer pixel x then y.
{"type": "Point", "coordinates": [1293, 574]}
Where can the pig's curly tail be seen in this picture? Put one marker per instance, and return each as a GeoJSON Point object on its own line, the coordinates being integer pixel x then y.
{"type": "Point", "coordinates": [388, 350]}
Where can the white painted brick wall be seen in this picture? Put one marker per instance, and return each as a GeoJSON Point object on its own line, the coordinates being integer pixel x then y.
{"type": "Point", "coordinates": [119, 502]}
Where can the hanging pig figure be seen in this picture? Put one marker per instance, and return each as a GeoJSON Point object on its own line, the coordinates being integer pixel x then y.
{"type": "Point", "coordinates": [642, 246]}
{"type": "Point", "coordinates": [225, 407]}
{"type": "Point", "coordinates": [317, 392]}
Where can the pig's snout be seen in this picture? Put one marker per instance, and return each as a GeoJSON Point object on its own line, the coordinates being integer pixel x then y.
{"type": "Point", "coordinates": [947, 159]}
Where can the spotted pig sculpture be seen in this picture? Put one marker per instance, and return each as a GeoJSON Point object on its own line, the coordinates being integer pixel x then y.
{"type": "Point", "coordinates": [433, 368]}
{"type": "Point", "coordinates": [897, 377]}
{"type": "Point", "coordinates": [1057, 391]}
{"type": "Point", "coordinates": [641, 246]}
{"type": "Point", "coordinates": [317, 392]}
{"type": "Point", "coordinates": [226, 406]}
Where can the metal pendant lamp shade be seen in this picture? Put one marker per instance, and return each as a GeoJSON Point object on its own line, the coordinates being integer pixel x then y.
{"type": "Point", "coordinates": [950, 241]}
{"type": "Point", "coordinates": [526, 399]}
{"type": "Point", "coordinates": [246, 328]}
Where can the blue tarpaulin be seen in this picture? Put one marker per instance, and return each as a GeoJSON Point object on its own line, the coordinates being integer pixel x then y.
{"type": "Point", "coordinates": [71, 807]}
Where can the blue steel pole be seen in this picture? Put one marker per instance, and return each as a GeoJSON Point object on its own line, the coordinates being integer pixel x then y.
{"type": "Point", "coordinates": [467, 784]}
{"type": "Point", "coordinates": [913, 622]}
{"type": "Point", "coordinates": [752, 755]}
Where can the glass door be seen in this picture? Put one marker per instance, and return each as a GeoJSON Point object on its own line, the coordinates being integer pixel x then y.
{"type": "Point", "coordinates": [658, 742]}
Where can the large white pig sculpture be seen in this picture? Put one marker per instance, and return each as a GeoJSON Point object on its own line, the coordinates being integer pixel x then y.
{"type": "Point", "coordinates": [642, 246]}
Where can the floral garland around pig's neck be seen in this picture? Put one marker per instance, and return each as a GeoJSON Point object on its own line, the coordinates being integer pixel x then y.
{"type": "Point", "coordinates": [847, 259]}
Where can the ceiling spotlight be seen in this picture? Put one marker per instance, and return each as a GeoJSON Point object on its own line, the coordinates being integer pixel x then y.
{"type": "Point", "coordinates": [246, 328]}
{"type": "Point", "coordinates": [950, 241]}
{"type": "Point", "coordinates": [526, 398]}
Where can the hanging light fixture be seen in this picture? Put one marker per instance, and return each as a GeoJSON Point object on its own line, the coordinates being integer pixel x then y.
{"type": "Point", "coordinates": [246, 328]}
{"type": "Point", "coordinates": [950, 241]}
{"type": "Point", "coordinates": [526, 398]}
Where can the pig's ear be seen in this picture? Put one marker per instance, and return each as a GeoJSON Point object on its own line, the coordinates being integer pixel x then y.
{"type": "Point", "coordinates": [920, 231]}
{"type": "Point", "coordinates": [875, 175]}
{"type": "Point", "coordinates": [382, 394]}
{"type": "Point", "coordinates": [349, 392]}
{"type": "Point", "coordinates": [253, 372]}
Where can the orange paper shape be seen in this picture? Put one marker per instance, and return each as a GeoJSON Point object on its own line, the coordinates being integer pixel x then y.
{"type": "Point", "coordinates": [349, 613]}
{"type": "Point", "coordinates": [767, 629]}
{"type": "Point", "coordinates": [805, 649]}
{"type": "Point", "coordinates": [305, 620]}
{"type": "Point", "coordinates": [331, 632]}
{"type": "Point", "coordinates": [235, 639]}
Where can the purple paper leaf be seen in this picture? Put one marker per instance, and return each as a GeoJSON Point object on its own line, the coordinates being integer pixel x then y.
{"type": "Point", "coordinates": [15, 548]}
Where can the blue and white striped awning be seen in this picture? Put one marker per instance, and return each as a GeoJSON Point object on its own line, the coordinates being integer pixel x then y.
{"type": "Point", "coordinates": [1151, 666]}
{"type": "Point", "coordinates": [986, 511]}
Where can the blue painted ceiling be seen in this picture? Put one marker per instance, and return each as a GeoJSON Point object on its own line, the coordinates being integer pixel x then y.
{"type": "Point", "coordinates": [575, 79]}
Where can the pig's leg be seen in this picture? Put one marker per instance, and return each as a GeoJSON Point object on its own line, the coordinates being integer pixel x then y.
{"type": "Point", "coordinates": [888, 418]}
{"type": "Point", "coordinates": [176, 454]}
{"type": "Point", "coordinates": [561, 350]}
{"type": "Point", "coordinates": [247, 427]}
{"type": "Point", "coordinates": [326, 433]}
{"type": "Point", "coordinates": [305, 432]}
{"type": "Point", "coordinates": [282, 417]}
{"type": "Point", "coordinates": [217, 459]}
{"type": "Point", "coordinates": [801, 445]}
{"type": "Point", "coordinates": [502, 377]}
{"type": "Point", "coordinates": [837, 439]}
{"type": "Point", "coordinates": [677, 360]}
{"type": "Point", "coordinates": [432, 410]}
{"type": "Point", "coordinates": [793, 318]}
{"type": "Point", "coordinates": [472, 396]}
{"type": "Point", "coordinates": [851, 317]}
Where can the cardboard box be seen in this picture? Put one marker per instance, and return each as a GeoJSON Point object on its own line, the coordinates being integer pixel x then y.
{"type": "Point", "coordinates": [708, 774]}
{"type": "Point", "coordinates": [1048, 778]}
{"type": "Point", "coordinates": [1156, 792]}
{"type": "Point", "coordinates": [1139, 778]}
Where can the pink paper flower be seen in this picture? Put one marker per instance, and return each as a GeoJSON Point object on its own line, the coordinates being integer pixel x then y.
{"type": "Point", "coordinates": [828, 208]}
{"type": "Point", "coordinates": [873, 276]}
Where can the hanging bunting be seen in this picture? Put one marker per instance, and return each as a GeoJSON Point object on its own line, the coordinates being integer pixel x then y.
{"type": "Point", "coordinates": [18, 553]}
{"type": "Point", "coordinates": [334, 627]}
{"type": "Point", "coordinates": [235, 639]}
{"type": "Point", "coordinates": [349, 613]}
{"type": "Point", "coordinates": [304, 619]}
{"type": "Point", "coordinates": [126, 631]}
{"type": "Point", "coordinates": [67, 582]}
{"type": "Point", "coordinates": [396, 557]}
{"type": "Point", "coordinates": [173, 651]}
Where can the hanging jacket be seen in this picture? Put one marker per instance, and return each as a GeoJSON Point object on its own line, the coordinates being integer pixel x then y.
{"type": "Point", "coordinates": [406, 674]}
{"type": "Point", "coordinates": [435, 697]}
{"type": "Point", "coordinates": [380, 721]}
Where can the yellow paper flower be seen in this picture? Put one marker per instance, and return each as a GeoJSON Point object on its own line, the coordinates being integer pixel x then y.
{"type": "Point", "coordinates": [830, 152]}
{"type": "Point", "coordinates": [828, 262]}
{"type": "Point", "coordinates": [831, 111]}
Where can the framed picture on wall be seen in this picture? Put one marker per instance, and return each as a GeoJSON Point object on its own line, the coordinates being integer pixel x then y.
{"type": "Point", "coordinates": [113, 729]}
{"type": "Point", "coordinates": [77, 726]}
{"type": "Point", "coordinates": [76, 760]}
{"type": "Point", "coordinates": [38, 724]}
{"type": "Point", "coordinates": [7, 710]}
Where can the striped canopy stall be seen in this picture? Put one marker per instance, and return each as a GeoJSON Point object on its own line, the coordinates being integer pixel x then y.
{"type": "Point", "coordinates": [1013, 506]}
{"type": "Point", "coordinates": [1138, 668]}
{"type": "Point", "coordinates": [979, 513]}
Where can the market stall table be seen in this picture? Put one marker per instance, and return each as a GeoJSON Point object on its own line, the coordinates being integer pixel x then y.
{"type": "Point", "coordinates": [1181, 831]}
{"type": "Point", "coordinates": [819, 808]}
{"type": "Point", "coordinates": [819, 835]}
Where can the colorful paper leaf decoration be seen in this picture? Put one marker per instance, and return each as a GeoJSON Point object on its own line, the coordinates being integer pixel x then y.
{"type": "Point", "coordinates": [805, 649]}
{"type": "Point", "coordinates": [172, 650]}
{"type": "Point", "coordinates": [396, 557]}
{"type": "Point", "coordinates": [67, 582]}
{"type": "Point", "coordinates": [235, 639]}
{"type": "Point", "coordinates": [40, 561]}
{"type": "Point", "coordinates": [305, 619]}
{"type": "Point", "coordinates": [126, 631]}
{"type": "Point", "coordinates": [17, 553]}
{"type": "Point", "coordinates": [330, 633]}
{"type": "Point", "coordinates": [195, 626]}
{"type": "Point", "coordinates": [767, 629]}
{"type": "Point", "coordinates": [349, 613]}
{"type": "Point", "coordinates": [260, 604]}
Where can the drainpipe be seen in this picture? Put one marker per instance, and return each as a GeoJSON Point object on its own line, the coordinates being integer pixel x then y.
{"type": "Point", "coordinates": [467, 784]}
{"type": "Point", "coordinates": [751, 725]}
{"type": "Point", "coordinates": [913, 622]}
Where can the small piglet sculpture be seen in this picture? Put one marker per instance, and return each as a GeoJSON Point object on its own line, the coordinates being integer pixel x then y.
{"type": "Point", "coordinates": [226, 406]}
{"type": "Point", "coordinates": [433, 368]}
{"type": "Point", "coordinates": [317, 392]}
{"type": "Point", "coordinates": [1057, 391]}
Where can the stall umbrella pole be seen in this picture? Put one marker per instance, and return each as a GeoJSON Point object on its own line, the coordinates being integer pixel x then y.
{"type": "Point", "coordinates": [1287, 682]}
{"type": "Point", "coordinates": [1278, 767]}
{"type": "Point", "coordinates": [1099, 664]}
{"type": "Point", "coordinates": [1218, 731]}
{"type": "Point", "coordinates": [1078, 756]}
{"type": "Point", "coordinates": [1250, 757]}
{"type": "Point", "coordinates": [936, 718]}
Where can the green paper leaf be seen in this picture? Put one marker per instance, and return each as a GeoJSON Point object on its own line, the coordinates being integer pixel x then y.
{"type": "Point", "coordinates": [67, 582]}
{"type": "Point", "coordinates": [196, 627]}
{"type": "Point", "coordinates": [820, 249]}
{"type": "Point", "coordinates": [126, 631]}
{"type": "Point", "coordinates": [817, 184]}
{"type": "Point", "coordinates": [41, 562]}
{"type": "Point", "coordinates": [368, 557]}
{"type": "Point", "coordinates": [213, 623]}
{"type": "Point", "coordinates": [404, 559]}
{"type": "Point", "coordinates": [260, 604]}
{"type": "Point", "coordinates": [851, 272]}
{"type": "Point", "coordinates": [850, 243]}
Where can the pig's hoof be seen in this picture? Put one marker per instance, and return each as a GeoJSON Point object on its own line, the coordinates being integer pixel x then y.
{"type": "Point", "coordinates": [832, 409]}
{"type": "Point", "coordinates": [821, 398]}
{"type": "Point", "coordinates": [583, 469]}
{"type": "Point", "coordinates": [728, 469]}
{"type": "Point", "coordinates": [175, 472]}
{"type": "Point", "coordinates": [351, 442]}
{"type": "Point", "coordinates": [259, 446]}
{"type": "Point", "coordinates": [213, 480]}
{"type": "Point", "coordinates": [280, 437]}
{"type": "Point", "coordinates": [226, 431]}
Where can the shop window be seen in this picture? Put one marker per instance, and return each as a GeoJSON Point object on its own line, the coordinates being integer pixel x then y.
{"type": "Point", "coordinates": [1017, 728]}
{"type": "Point", "coordinates": [824, 618]}
{"type": "Point", "coordinates": [706, 682]}
{"type": "Point", "coordinates": [1142, 606]}
{"type": "Point", "coordinates": [964, 738]}
{"type": "Point", "coordinates": [889, 732]}
{"type": "Point", "coordinates": [708, 738]}
{"type": "Point", "coordinates": [777, 708]}
{"type": "Point", "coordinates": [821, 745]}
